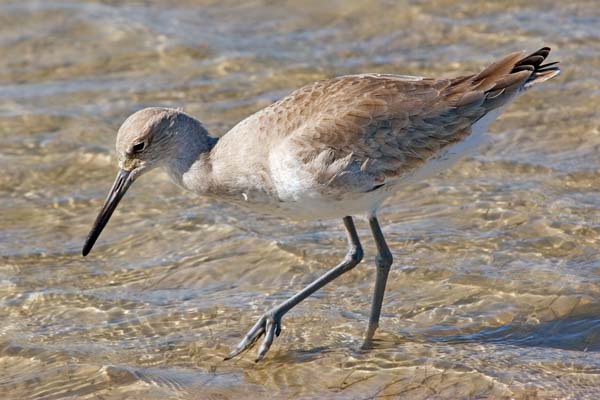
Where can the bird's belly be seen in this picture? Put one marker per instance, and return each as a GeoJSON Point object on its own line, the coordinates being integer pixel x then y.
{"type": "Point", "coordinates": [326, 208]}
{"type": "Point", "coordinates": [313, 205]}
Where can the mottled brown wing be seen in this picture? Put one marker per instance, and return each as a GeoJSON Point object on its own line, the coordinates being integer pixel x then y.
{"type": "Point", "coordinates": [371, 127]}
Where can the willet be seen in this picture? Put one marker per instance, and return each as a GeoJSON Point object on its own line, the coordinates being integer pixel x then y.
{"type": "Point", "coordinates": [333, 149]}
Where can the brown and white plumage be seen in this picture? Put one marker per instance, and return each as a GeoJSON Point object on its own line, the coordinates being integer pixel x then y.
{"type": "Point", "coordinates": [336, 148]}
{"type": "Point", "coordinates": [339, 138]}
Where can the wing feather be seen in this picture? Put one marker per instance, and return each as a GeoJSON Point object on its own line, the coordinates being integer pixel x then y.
{"type": "Point", "coordinates": [360, 130]}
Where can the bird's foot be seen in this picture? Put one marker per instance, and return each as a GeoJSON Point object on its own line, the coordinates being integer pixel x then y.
{"type": "Point", "coordinates": [268, 325]}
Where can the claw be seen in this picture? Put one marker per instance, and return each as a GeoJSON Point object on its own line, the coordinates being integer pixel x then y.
{"type": "Point", "coordinates": [251, 337]}
{"type": "Point", "coordinates": [270, 326]}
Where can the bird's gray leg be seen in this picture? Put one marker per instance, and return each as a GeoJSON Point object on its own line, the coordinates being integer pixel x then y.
{"type": "Point", "coordinates": [383, 262]}
{"type": "Point", "coordinates": [270, 323]}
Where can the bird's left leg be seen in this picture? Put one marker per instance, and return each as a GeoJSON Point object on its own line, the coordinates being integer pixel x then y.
{"type": "Point", "coordinates": [269, 324]}
{"type": "Point", "coordinates": [383, 262]}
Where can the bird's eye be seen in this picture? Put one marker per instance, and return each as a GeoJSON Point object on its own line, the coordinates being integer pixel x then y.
{"type": "Point", "coordinates": [136, 148]}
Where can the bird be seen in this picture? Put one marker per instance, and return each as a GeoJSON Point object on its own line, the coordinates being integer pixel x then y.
{"type": "Point", "coordinates": [337, 148]}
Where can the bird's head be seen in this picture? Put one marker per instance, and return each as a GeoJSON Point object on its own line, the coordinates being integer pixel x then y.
{"type": "Point", "coordinates": [145, 140]}
{"type": "Point", "coordinates": [148, 139]}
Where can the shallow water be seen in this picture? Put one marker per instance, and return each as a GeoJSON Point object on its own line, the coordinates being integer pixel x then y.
{"type": "Point", "coordinates": [495, 292]}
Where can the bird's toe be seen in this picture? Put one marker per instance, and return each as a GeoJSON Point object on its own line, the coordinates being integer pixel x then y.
{"type": "Point", "coordinates": [268, 325]}
{"type": "Point", "coordinates": [272, 329]}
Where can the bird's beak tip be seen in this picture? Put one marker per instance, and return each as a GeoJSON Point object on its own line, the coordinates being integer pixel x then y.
{"type": "Point", "coordinates": [114, 196]}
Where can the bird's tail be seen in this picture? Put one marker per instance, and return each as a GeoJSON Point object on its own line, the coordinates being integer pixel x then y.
{"type": "Point", "coordinates": [516, 72]}
{"type": "Point", "coordinates": [498, 83]}
{"type": "Point", "coordinates": [539, 72]}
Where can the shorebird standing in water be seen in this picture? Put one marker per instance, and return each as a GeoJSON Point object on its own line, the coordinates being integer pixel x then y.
{"type": "Point", "coordinates": [333, 149]}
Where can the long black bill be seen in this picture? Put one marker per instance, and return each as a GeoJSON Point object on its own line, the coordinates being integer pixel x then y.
{"type": "Point", "coordinates": [116, 193]}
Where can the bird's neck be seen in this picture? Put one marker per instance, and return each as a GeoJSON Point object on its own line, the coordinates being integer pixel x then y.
{"type": "Point", "coordinates": [190, 166]}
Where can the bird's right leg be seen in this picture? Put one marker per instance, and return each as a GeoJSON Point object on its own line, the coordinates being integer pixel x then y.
{"type": "Point", "coordinates": [383, 262]}
{"type": "Point", "coordinates": [269, 324]}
